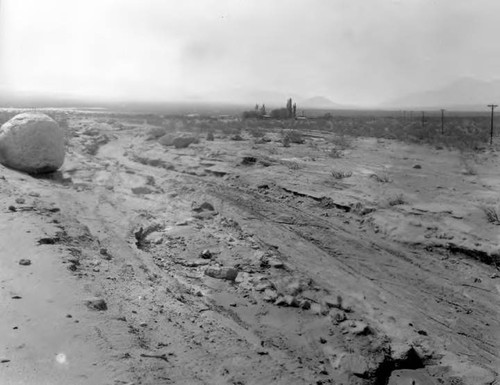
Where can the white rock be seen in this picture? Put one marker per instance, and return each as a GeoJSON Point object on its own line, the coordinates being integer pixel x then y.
{"type": "Point", "coordinates": [33, 143]}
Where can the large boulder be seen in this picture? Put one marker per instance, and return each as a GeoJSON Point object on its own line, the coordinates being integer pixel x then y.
{"type": "Point", "coordinates": [32, 142]}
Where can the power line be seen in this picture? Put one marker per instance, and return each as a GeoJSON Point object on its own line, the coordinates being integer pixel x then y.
{"type": "Point", "coordinates": [492, 106]}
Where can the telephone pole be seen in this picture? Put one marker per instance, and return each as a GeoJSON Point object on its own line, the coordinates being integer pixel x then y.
{"type": "Point", "coordinates": [442, 121]}
{"type": "Point", "coordinates": [492, 106]}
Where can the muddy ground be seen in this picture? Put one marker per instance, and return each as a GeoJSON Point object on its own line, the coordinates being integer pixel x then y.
{"type": "Point", "coordinates": [360, 261]}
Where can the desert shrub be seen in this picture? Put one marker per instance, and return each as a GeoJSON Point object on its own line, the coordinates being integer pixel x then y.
{"type": "Point", "coordinates": [382, 178]}
{"type": "Point", "coordinates": [342, 142]}
{"type": "Point", "coordinates": [341, 174]}
{"type": "Point", "coordinates": [397, 200]}
{"type": "Point", "coordinates": [295, 137]}
{"type": "Point", "coordinates": [492, 214]}
{"type": "Point", "coordinates": [256, 132]}
{"type": "Point", "coordinates": [292, 165]}
{"type": "Point", "coordinates": [335, 153]}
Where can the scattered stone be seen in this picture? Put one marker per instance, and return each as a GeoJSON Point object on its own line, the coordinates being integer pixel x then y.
{"type": "Point", "coordinates": [263, 286]}
{"type": "Point", "coordinates": [422, 332]}
{"type": "Point", "coordinates": [270, 295]}
{"type": "Point", "coordinates": [69, 316]}
{"type": "Point", "coordinates": [205, 206]}
{"type": "Point", "coordinates": [322, 340]}
{"type": "Point", "coordinates": [322, 370]}
{"type": "Point", "coordinates": [25, 262]}
{"type": "Point", "coordinates": [194, 263]}
{"type": "Point", "coordinates": [182, 223]}
{"type": "Point", "coordinates": [262, 352]}
{"type": "Point", "coordinates": [34, 194]}
{"type": "Point", "coordinates": [184, 141]}
{"type": "Point", "coordinates": [227, 273]}
{"type": "Point", "coordinates": [206, 254]}
{"type": "Point", "coordinates": [20, 201]}
{"type": "Point", "coordinates": [355, 364]}
{"type": "Point", "coordinates": [12, 208]}
{"type": "Point", "coordinates": [280, 301]}
{"type": "Point", "coordinates": [357, 328]}
{"type": "Point", "coordinates": [417, 166]}
{"type": "Point", "coordinates": [143, 324]}
{"type": "Point", "coordinates": [337, 316]}
{"type": "Point", "coordinates": [333, 301]}
{"type": "Point", "coordinates": [96, 304]}
{"type": "Point", "coordinates": [32, 142]}
{"type": "Point", "coordinates": [4, 361]}
{"type": "Point", "coordinates": [291, 301]}
{"type": "Point", "coordinates": [305, 304]}
{"type": "Point", "coordinates": [16, 297]}
{"type": "Point", "coordinates": [205, 215]}
{"type": "Point", "coordinates": [276, 264]}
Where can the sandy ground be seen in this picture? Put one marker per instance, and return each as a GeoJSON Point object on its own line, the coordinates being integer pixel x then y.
{"type": "Point", "coordinates": [237, 262]}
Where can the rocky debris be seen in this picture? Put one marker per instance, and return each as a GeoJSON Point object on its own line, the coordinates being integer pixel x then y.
{"type": "Point", "coordinates": [270, 295]}
{"type": "Point", "coordinates": [356, 365]}
{"type": "Point", "coordinates": [269, 260]}
{"type": "Point", "coordinates": [33, 143]}
{"type": "Point", "coordinates": [25, 262]}
{"type": "Point", "coordinates": [96, 304]}
{"type": "Point", "coordinates": [337, 316]}
{"type": "Point", "coordinates": [287, 300]}
{"type": "Point", "coordinates": [206, 254]}
{"type": "Point", "coordinates": [227, 273]}
{"type": "Point", "coordinates": [20, 201]}
{"type": "Point", "coordinates": [184, 141]}
{"type": "Point", "coordinates": [205, 206]}
{"type": "Point", "coordinates": [356, 327]}
{"type": "Point", "coordinates": [205, 215]}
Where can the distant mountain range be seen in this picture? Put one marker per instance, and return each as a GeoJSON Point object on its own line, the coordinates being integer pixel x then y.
{"type": "Point", "coordinates": [464, 94]}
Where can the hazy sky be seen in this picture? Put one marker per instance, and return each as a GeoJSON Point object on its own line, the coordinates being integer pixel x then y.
{"type": "Point", "coordinates": [352, 51]}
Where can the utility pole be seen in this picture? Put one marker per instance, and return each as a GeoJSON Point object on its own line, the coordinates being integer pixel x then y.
{"type": "Point", "coordinates": [492, 106]}
{"type": "Point", "coordinates": [442, 121]}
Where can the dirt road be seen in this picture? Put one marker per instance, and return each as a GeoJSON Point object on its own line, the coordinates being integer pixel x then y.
{"type": "Point", "coordinates": [243, 263]}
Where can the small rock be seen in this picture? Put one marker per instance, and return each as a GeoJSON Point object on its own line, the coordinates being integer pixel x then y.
{"type": "Point", "coordinates": [291, 301]}
{"type": "Point", "coordinates": [182, 223]}
{"type": "Point", "coordinates": [322, 340]}
{"type": "Point", "coordinates": [332, 301]}
{"type": "Point", "coordinates": [206, 254]}
{"type": "Point", "coordinates": [69, 316]}
{"type": "Point", "coordinates": [205, 206]}
{"type": "Point", "coordinates": [205, 215]}
{"type": "Point", "coordinates": [337, 316]}
{"type": "Point", "coordinates": [96, 304]}
{"type": "Point", "coordinates": [143, 324]}
{"type": "Point", "coordinates": [357, 327]}
{"type": "Point", "coordinates": [417, 166]}
{"type": "Point", "coordinates": [25, 262]}
{"type": "Point", "coordinates": [280, 301]}
{"type": "Point", "coordinates": [305, 304]}
{"type": "Point", "coordinates": [20, 201]}
{"type": "Point", "coordinates": [12, 208]}
{"type": "Point", "coordinates": [228, 273]}
{"type": "Point", "coordinates": [270, 295]}
{"type": "Point", "coordinates": [4, 361]}
{"type": "Point", "coordinates": [276, 264]}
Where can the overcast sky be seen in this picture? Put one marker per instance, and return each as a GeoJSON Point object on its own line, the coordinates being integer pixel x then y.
{"type": "Point", "coordinates": [351, 51]}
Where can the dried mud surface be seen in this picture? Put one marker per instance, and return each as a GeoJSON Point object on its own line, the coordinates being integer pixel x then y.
{"type": "Point", "coordinates": [239, 262]}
